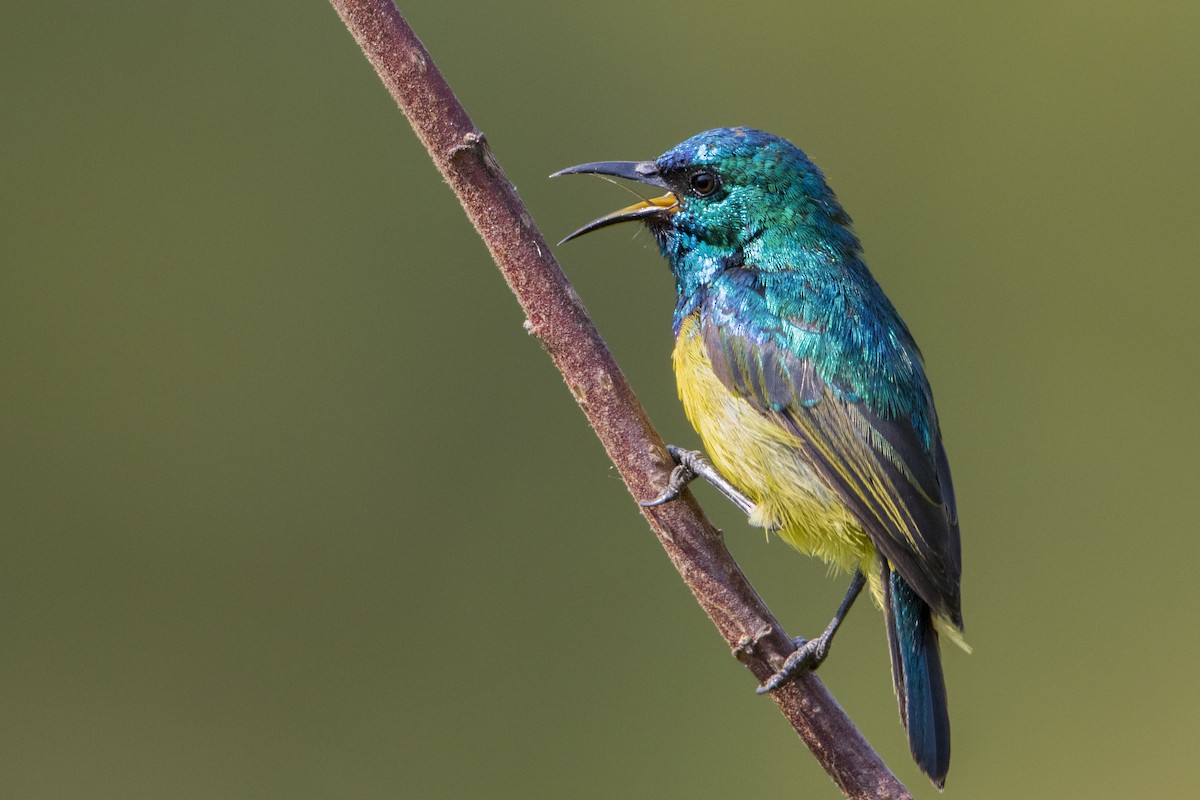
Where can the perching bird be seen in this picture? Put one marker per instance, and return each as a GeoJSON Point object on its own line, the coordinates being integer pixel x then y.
{"type": "Point", "coordinates": [809, 394]}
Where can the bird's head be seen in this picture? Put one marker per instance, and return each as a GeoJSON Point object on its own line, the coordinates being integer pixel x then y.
{"type": "Point", "coordinates": [732, 194]}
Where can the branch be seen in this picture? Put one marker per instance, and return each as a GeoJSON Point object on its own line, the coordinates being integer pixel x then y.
{"type": "Point", "coordinates": [555, 315]}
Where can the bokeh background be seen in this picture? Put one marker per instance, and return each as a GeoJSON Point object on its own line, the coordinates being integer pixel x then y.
{"type": "Point", "coordinates": [293, 508]}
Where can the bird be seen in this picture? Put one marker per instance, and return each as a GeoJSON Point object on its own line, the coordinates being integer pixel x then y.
{"type": "Point", "coordinates": [809, 394]}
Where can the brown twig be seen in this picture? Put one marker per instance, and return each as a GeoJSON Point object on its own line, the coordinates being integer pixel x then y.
{"type": "Point", "coordinates": [555, 316]}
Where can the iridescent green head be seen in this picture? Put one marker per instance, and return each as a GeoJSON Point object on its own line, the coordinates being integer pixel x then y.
{"type": "Point", "coordinates": [733, 194]}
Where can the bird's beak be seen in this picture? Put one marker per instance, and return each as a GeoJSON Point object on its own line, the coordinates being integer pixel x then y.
{"type": "Point", "coordinates": [641, 171]}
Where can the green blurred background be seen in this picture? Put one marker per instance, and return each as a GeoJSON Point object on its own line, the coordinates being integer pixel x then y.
{"type": "Point", "coordinates": [293, 508]}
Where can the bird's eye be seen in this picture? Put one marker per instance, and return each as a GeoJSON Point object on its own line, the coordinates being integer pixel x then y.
{"type": "Point", "coordinates": [704, 183]}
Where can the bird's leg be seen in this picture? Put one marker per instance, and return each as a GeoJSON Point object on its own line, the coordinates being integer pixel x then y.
{"type": "Point", "coordinates": [808, 655]}
{"type": "Point", "coordinates": [691, 464]}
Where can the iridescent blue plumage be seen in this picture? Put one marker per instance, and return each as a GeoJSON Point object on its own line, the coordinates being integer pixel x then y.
{"type": "Point", "coordinates": [808, 389]}
{"type": "Point", "coordinates": [796, 257]}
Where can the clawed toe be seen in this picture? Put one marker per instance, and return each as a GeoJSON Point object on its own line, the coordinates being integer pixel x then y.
{"type": "Point", "coordinates": [681, 476]}
{"type": "Point", "coordinates": [807, 656]}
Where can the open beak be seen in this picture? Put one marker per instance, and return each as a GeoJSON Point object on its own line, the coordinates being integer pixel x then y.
{"type": "Point", "coordinates": [641, 171]}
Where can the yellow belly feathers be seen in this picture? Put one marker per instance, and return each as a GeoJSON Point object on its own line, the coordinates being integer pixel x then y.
{"type": "Point", "coordinates": [767, 463]}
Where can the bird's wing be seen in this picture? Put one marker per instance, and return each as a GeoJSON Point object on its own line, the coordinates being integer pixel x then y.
{"type": "Point", "coordinates": [899, 490]}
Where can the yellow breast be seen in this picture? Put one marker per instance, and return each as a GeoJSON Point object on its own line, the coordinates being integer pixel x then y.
{"type": "Point", "coordinates": [766, 462]}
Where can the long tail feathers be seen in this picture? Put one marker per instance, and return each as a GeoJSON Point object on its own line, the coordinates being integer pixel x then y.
{"type": "Point", "coordinates": [917, 676]}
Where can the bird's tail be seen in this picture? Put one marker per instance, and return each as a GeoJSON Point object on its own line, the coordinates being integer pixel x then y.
{"type": "Point", "coordinates": [917, 675]}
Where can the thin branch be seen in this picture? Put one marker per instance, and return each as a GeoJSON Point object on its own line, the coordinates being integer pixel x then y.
{"type": "Point", "coordinates": [556, 317]}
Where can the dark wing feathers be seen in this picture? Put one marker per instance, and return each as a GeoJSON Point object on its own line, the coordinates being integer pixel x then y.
{"type": "Point", "coordinates": [892, 487]}
{"type": "Point", "coordinates": [759, 370]}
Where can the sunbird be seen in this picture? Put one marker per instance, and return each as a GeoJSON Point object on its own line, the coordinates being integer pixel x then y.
{"type": "Point", "coordinates": [809, 394]}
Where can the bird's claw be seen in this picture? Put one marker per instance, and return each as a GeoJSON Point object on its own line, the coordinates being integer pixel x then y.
{"type": "Point", "coordinates": [807, 656]}
{"type": "Point", "coordinates": [691, 464]}
{"type": "Point", "coordinates": [683, 474]}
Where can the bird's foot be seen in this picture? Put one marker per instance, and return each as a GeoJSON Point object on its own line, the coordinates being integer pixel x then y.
{"type": "Point", "coordinates": [808, 655]}
{"type": "Point", "coordinates": [683, 474]}
{"type": "Point", "coordinates": [691, 464]}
